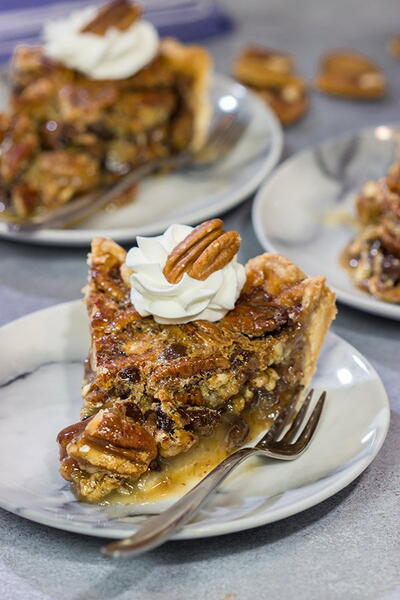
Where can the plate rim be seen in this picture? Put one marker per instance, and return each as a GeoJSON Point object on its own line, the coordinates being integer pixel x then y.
{"type": "Point", "coordinates": [369, 305]}
{"type": "Point", "coordinates": [194, 531]}
{"type": "Point", "coordinates": [82, 237]}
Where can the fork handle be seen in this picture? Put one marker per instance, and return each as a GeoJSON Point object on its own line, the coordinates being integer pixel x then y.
{"type": "Point", "coordinates": [160, 528]}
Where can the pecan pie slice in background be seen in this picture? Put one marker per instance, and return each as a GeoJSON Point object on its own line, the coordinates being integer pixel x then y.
{"type": "Point", "coordinates": [66, 134]}
{"type": "Point", "coordinates": [152, 392]}
{"type": "Point", "coordinates": [372, 258]}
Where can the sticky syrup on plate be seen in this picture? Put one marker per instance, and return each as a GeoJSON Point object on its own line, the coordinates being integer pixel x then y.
{"type": "Point", "coordinates": [181, 473]}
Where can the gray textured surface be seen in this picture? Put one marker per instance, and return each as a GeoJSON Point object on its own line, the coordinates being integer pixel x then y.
{"type": "Point", "coordinates": [347, 547]}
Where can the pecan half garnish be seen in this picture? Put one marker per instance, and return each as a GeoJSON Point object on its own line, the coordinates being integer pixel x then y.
{"type": "Point", "coordinates": [118, 13]}
{"type": "Point", "coordinates": [205, 250]}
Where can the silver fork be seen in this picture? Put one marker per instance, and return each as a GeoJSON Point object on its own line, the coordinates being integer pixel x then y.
{"type": "Point", "coordinates": [222, 138]}
{"type": "Point", "coordinates": [160, 528]}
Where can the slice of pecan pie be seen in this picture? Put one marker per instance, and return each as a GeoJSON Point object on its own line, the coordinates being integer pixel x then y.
{"type": "Point", "coordinates": [372, 258]}
{"type": "Point", "coordinates": [151, 391]}
{"type": "Point", "coordinates": [67, 134]}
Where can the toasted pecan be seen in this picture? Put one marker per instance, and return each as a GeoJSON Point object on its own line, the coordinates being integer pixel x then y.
{"type": "Point", "coordinates": [289, 103]}
{"type": "Point", "coordinates": [348, 73]}
{"type": "Point", "coordinates": [394, 46]}
{"type": "Point", "coordinates": [263, 67]}
{"type": "Point", "coordinates": [205, 250]}
{"type": "Point", "coordinates": [188, 367]}
{"type": "Point", "coordinates": [218, 254]}
{"type": "Point", "coordinates": [271, 75]}
{"type": "Point", "coordinates": [256, 315]}
{"type": "Point", "coordinates": [118, 13]}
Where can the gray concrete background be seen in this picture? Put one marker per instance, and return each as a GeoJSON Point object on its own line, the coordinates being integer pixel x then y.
{"type": "Point", "coordinates": [345, 548]}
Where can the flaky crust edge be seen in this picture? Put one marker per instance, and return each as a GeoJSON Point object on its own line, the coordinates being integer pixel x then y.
{"type": "Point", "coordinates": [277, 274]}
{"type": "Point", "coordinates": [196, 62]}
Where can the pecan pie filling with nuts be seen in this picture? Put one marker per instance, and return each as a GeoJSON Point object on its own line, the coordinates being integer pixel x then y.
{"type": "Point", "coordinates": [372, 258]}
{"type": "Point", "coordinates": [153, 392]}
{"type": "Point", "coordinates": [67, 134]}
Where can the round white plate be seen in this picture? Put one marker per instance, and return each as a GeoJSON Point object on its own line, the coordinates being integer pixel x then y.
{"type": "Point", "coordinates": [187, 196]}
{"type": "Point", "coordinates": [298, 211]}
{"type": "Point", "coordinates": [40, 393]}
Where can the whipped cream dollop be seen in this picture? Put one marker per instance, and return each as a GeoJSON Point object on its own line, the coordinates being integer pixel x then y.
{"type": "Point", "coordinates": [114, 55]}
{"type": "Point", "coordinates": [187, 300]}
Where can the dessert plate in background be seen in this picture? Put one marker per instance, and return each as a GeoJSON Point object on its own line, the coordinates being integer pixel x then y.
{"type": "Point", "coordinates": [40, 393]}
{"type": "Point", "coordinates": [304, 210]}
{"type": "Point", "coordinates": [187, 196]}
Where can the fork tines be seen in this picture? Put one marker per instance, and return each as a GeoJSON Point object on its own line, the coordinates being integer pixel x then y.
{"type": "Point", "coordinates": [290, 444]}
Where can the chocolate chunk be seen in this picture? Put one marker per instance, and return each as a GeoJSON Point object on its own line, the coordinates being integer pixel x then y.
{"type": "Point", "coordinates": [130, 374]}
{"type": "Point", "coordinates": [164, 422]}
{"type": "Point", "coordinates": [265, 399]}
{"type": "Point", "coordinates": [237, 434]}
{"type": "Point", "coordinates": [172, 352]}
{"type": "Point", "coordinates": [200, 419]}
{"type": "Point", "coordinates": [245, 361]}
{"type": "Point", "coordinates": [391, 267]}
{"type": "Point", "coordinates": [133, 411]}
{"type": "Point", "coordinates": [155, 465]}
{"type": "Point", "coordinates": [101, 130]}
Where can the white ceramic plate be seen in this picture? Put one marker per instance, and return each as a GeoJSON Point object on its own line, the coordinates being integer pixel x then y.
{"type": "Point", "coordinates": [39, 394]}
{"type": "Point", "coordinates": [187, 196]}
{"type": "Point", "coordinates": [294, 209]}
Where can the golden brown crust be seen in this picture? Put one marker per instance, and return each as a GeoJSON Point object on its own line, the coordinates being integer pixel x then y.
{"type": "Point", "coordinates": [194, 62]}
{"type": "Point", "coordinates": [272, 271]}
{"type": "Point", "coordinates": [283, 279]}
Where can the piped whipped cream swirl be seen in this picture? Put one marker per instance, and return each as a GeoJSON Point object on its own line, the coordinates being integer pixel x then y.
{"type": "Point", "coordinates": [114, 55]}
{"type": "Point", "coordinates": [187, 300]}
